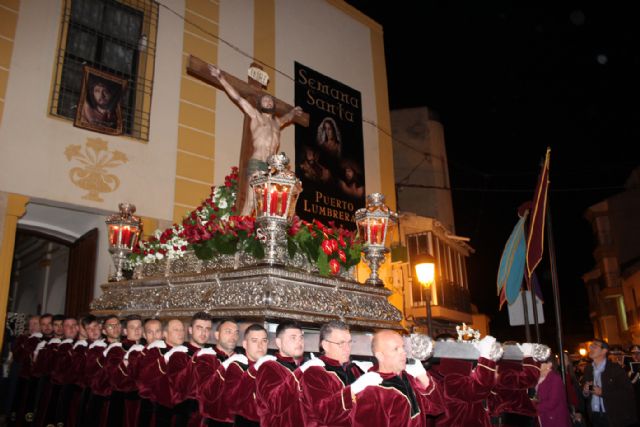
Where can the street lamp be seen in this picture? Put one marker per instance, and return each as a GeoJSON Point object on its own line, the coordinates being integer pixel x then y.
{"type": "Point", "coordinates": [425, 267]}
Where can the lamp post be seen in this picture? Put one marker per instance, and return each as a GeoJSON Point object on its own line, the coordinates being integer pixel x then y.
{"type": "Point", "coordinates": [373, 223]}
{"type": "Point", "coordinates": [275, 195]}
{"type": "Point", "coordinates": [123, 230]}
{"type": "Point", "coordinates": [425, 267]}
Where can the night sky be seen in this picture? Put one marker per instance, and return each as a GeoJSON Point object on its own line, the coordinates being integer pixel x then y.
{"type": "Point", "coordinates": [508, 81]}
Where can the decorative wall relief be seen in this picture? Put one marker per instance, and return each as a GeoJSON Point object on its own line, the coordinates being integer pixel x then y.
{"type": "Point", "coordinates": [95, 160]}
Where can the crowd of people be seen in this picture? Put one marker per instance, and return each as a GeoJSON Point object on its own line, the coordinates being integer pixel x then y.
{"type": "Point", "coordinates": [135, 372]}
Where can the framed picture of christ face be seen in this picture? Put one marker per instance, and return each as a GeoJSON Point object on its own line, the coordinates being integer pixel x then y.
{"type": "Point", "coordinates": [99, 106]}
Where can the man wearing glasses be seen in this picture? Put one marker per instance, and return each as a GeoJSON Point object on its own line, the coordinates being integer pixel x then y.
{"type": "Point", "coordinates": [331, 382]}
{"type": "Point", "coordinates": [609, 393]}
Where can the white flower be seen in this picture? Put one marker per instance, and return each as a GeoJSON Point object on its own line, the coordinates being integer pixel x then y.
{"type": "Point", "coordinates": [222, 204]}
{"type": "Point", "coordinates": [159, 255]}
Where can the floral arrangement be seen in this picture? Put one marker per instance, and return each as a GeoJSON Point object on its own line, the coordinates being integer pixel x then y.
{"type": "Point", "coordinates": [213, 229]}
{"type": "Point", "coordinates": [330, 248]}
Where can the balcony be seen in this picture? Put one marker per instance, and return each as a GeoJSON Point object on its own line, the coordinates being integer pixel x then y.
{"type": "Point", "coordinates": [453, 304]}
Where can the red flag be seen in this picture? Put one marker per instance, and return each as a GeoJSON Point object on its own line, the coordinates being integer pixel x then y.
{"type": "Point", "coordinates": [535, 242]}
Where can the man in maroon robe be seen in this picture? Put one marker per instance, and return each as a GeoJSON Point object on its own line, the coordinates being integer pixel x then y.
{"type": "Point", "coordinates": [62, 374]}
{"type": "Point", "coordinates": [124, 403]}
{"type": "Point", "coordinates": [209, 373]}
{"type": "Point", "coordinates": [509, 402]}
{"type": "Point", "coordinates": [90, 333]}
{"type": "Point", "coordinates": [277, 379]}
{"type": "Point", "coordinates": [183, 368]}
{"type": "Point", "coordinates": [465, 388]}
{"type": "Point", "coordinates": [153, 378]}
{"type": "Point", "coordinates": [23, 347]}
{"type": "Point", "coordinates": [240, 386]}
{"type": "Point", "coordinates": [132, 364]}
{"type": "Point", "coordinates": [98, 409]}
{"type": "Point", "coordinates": [44, 365]}
{"type": "Point", "coordinates": [327, 382]}
{"type": "Point", "coordinates": [405, 396]}
{"type": "Point", "coordinates": [26, 414]}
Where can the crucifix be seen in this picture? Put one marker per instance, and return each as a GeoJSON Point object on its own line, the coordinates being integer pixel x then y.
{"type": "Point", "coordinates": [261, 132]}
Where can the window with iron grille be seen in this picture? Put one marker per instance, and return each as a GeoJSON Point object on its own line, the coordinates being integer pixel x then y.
{"type": "Point", "coordinates": [116, 37]}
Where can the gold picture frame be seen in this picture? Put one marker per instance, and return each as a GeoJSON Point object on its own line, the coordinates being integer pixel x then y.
{"type": "Point", "coordinates": [99, 106]}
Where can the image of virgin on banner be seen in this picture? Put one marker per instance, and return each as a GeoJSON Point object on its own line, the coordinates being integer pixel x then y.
{"type": "Point", "coordinates": [330, 152]}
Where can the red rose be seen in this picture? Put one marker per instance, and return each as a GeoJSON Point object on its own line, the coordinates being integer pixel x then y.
{"type": "Point", "coordinates": [334, 244]}
{"type": "Point", "coordinates": [327, 248]}
{"type": "Point", "coordinates": [342, 255]}
{"type": "Point", "coordinates": [335, 266]}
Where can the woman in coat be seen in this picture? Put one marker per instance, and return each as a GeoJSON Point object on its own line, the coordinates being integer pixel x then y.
{"type": "Point", "coordinates": [552, 407]}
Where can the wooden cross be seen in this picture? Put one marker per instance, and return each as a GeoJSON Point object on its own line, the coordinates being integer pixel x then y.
{"type": "Point", "coordinates": [250, 91]}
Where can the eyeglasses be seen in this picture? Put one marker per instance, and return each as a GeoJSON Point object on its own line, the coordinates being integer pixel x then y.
{"type": "Point", "coordinates": [595, 345]}
{"type": "Point", "coordinates": [112, 325]}
{"type": "Point", "coordinates": [341, 344]}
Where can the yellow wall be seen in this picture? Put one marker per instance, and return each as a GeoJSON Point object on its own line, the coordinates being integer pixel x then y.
{"type": "Point", "coordinates": [15, 208]}
{"type": "Point", "coordinates": [8, 22]}
{"type": "Point", "coordinates": [196, 124]}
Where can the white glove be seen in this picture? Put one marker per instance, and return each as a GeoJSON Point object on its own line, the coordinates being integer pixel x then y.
{"type": "Point", "coordinates": [135, 347]}
{"type": "Point", "coordinates": [415, 369]}
{"type": "Point", "coordinates": [363, 365]}
{"type": "Point", "coordinates": [157, 344]}
{"type": "Point", "coordinates": [36, 335]}
{"type": "Point", "coordinates": [485, 345]}
{"type": "Point", "coordinates": [235, 358]}
{"type": "Point", "coordinates": [265, 358]}
{"type": "Point", "coordinates": [111, 346]}
{"type": "Point", "coordinates": [98, 343]}
{"type": "Point", "coordinates": [67, 341]}
{"type": "Point", "coordinates": [55, 341]}
{"type": "Point", "coordinates": [526, 349]}
{"type": "Point", "coordinates": [80, 343]}
{"type": "Point", "coordinates": [206, 350]}
{"type": "Point", "coordinates": [370, 378]}
{"type": "Point", "coordinates": [178, 349]}
{"type": "Point", "coordinates": [311, 362]}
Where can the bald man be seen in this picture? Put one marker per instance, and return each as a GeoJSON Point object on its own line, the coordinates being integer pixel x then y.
{"type": "Point", "coordinates": [406, 396]}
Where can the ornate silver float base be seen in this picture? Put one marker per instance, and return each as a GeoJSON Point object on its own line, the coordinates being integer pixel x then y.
{"type": "Point", "coordinates": [258, 292]}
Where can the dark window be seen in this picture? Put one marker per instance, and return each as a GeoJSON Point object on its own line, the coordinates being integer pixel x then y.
{"type": "Point", "coordinates": [117, 38]}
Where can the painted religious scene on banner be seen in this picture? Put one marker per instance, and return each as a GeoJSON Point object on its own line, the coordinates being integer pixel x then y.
{"type": "Point", "coordinates": [330, 152]}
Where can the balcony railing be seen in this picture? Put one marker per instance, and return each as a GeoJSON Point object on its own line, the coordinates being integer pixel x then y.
{"type": "Point", "coordinates": [451, 296]}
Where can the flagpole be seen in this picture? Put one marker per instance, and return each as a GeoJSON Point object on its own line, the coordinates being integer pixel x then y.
{"type": "Point", "coordinates": [556, 293]}
{"type": "Point", "coordinates": [525, 312]}
{"type": "Point", "coordinates": [534, 303]}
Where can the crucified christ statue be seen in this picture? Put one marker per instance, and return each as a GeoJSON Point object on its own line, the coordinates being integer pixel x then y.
{"type": "Point", "coordinates": [265, 130]}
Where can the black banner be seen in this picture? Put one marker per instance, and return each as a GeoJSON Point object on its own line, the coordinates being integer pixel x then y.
{"type": "Point", "coordinates": [330, 152]}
